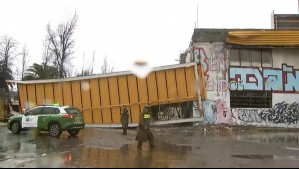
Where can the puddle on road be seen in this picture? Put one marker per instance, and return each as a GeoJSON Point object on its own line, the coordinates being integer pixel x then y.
{"type": "Point", "coordinates": [271, 138]}
{"type": "Point", "coordinates": [267, 157]}
{"type": "Point", "coordinates": [254, 156]}
{"type": "Point", "coordinates": [127, 156]}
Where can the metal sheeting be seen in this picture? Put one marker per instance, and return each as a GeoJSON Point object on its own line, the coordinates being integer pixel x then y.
{"type": "Point", "coordinates": [100, 98]}
{"type": "Point", "coordinates": [265, 37]}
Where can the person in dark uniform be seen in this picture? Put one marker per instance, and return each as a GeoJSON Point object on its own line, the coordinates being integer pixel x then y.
{"type": "Point", "coordinates": [124, 118]}
{"type": "Point", "coordinates": [144, 132]}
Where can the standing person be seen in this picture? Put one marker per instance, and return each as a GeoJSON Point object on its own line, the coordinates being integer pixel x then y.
{"type": "Point", "coordinates": [124, 118]}
{"type": "Point", "coordinates": [144, 133]}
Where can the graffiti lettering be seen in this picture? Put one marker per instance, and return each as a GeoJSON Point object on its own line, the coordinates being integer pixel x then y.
{"type": "Point", "coordinates": [292, 78]}
{"type": "Point", "coordinates": [283, 80]}
{"type": "Point", "coordinates": [281, 113]}
{"type": "Point", "coordinates": [244, 74]}
{"type": "Point", "coordinates": [249, 115]}
{"type": "Point", "coordinates": [214, 68]}
{"type": "Point", "coordinates": [216, 85]}
{"type": "Point", "coordinates": [201, 57]}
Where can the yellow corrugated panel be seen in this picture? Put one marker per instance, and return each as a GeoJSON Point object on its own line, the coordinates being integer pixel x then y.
{"type": "Point", "coordinates": [76, 92]}
{"type": "Point", "coordinates": [23, 96]}
{"type": "Point", "coordinates": [152, 89]}
{"type": "Point", "coordinates": [142, 92]}
{"type": "Point", "coordinates": [31, 95]}
{"type": "Point", "coordinates": [86, 101]}
{"type": "Point", "coordinates": [105, 101]}
{"type": "Point", "coordinates": [58, 97]}
{"type": "Point", "coordinates": [171, 85]}
{"type": "Point", "coordinates": [190, 77]}
{"type": "Point", "coordinates": [124, 93]}
{"type": "Point", "coordinates": [181, 84]}
{"type": "Point", "coordinates": [162, 89]}
{"type": "Point", "coordinates": [67, 93]}
{"type": "Point", "coordinates": [268, 37]}
{"type": "Point", "coordinates": [40, 94]}
{"type": "Point", "coordinates": [134, 101]}
{"type": "Point", "coordinates": [95, 101]}
{"type": "Point", "coordinates": [114, 99]}
{"type": "Point", "coordinates": [49, 94]}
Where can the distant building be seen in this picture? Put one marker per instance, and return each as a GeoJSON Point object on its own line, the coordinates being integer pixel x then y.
{"type": "Point", "coordinates": [285, 21]}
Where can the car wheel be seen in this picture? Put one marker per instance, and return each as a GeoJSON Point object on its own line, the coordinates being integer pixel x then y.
{"type": "Point", "coordinates": [16, 127]}
{"type": "Point", "coordinates": [55, 130]}
{"type": "Point", "coordinates": [74, 132]}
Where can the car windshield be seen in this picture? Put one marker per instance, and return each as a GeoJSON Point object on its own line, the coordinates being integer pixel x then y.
{"type": "Point", "coordinates": [73, 110]}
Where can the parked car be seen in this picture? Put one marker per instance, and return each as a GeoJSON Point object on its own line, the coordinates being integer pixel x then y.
{"type": "Point", "coordinates": [52, 118]}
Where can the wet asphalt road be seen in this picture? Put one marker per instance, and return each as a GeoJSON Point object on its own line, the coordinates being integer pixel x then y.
{"type": "Point", "coordinates": [175, 147]}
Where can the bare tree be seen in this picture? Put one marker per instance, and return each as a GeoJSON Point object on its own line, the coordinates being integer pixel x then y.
{"type": "Point", "coordinates": [8, 47]}
{"type": "Point", "coordinates": [47, 54]}
{"type": "Point", "coordinates": [105, 67]}
{"type": "Point", "coordinates": [61, 44]}
{"type": "Point", "coordinates": [25, 59]}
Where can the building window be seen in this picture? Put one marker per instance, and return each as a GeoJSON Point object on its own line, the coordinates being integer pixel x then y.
{"type": "Point", "coordinates": [250, 99]}
{"type": "Point", "coordinates": [251, 57]}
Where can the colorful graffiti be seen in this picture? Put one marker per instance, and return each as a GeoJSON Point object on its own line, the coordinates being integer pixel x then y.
{"type": "Point", "coordinates": [281, 113]}
{"type": "Point", "coordinates": [215, 67]}
{"type": "Point", "coordinates": [279, 80]}
{"type": "Point", "coordinates": [216, 112]}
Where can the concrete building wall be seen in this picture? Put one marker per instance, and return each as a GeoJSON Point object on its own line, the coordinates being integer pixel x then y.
{"type": "Point", "coordinates": [213, 56]}
{"type": "Point", "coordinates": [282, 80]}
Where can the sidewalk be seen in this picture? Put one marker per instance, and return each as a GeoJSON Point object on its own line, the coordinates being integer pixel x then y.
{"type": "Point", "coordinates": [242, 128]}
{"type": "Point", "coordinates": [202, 127]}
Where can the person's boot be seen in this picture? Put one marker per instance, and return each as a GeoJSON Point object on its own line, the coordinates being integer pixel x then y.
{"type": "Point", "coordinates": [139, 145]}
{"type": "Point", "coordinates": [151, 143]}
{"type": "Point", "coordinates": [125, 132]}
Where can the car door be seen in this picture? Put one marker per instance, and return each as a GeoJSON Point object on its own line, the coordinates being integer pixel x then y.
{"type": "Point", "coordinates": [45, 116]}
{"type": "Point", "coordinates": [30, 118]}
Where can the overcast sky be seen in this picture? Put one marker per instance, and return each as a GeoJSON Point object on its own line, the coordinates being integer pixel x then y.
{"type": "Point", "coordinates": [127, 30]}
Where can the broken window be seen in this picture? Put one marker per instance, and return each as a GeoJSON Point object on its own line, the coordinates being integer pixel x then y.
{"type": "Point", "coordinates": [250, 99]}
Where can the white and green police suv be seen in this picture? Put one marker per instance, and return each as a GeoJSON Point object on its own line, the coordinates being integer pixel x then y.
{"type": "Point", "coordinates": [52, 118]}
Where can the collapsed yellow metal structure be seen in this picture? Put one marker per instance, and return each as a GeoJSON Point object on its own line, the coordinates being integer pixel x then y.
{"type": "Point", "coordinates": [100, 96]}
{"type": "Point", "coordinates": [264, 37]}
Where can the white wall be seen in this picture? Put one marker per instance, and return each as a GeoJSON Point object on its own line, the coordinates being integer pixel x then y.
{"type": "Point", "coordinates": [288, 98]}
{"type": "Point", "coordinates": [289, 56]}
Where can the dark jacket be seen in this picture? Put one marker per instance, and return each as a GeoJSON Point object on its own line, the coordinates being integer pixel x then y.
{"type": "Point", "coordinates": [144, 133]}
{"type": "Point", "coordinates": [124, 118]}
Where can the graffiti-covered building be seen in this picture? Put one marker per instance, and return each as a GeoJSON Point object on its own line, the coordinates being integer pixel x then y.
{"type": "Point", "coordinates": [251, 76]}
